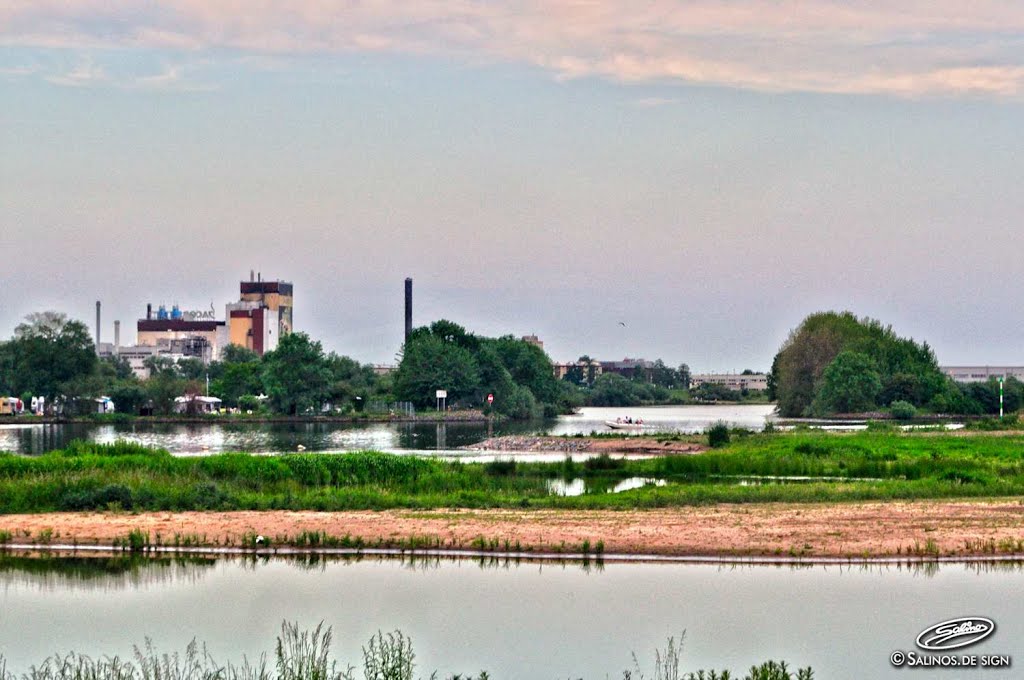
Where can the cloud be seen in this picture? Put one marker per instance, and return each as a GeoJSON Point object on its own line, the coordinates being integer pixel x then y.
{"type": "Point", "coordinates": [17, 71]}
{"type": "Point", "coordinates": [86, 74]}
{"type": "Point", "coordinates": [912, 48]}
{"type": "Point", "coordinates": [654, 102]}
{"type": "Point", "coordinates": [171, 79]}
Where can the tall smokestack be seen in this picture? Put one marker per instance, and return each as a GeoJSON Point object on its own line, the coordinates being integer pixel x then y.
{"type": "Point", "coordinates": [408, 308]}
{"type": "Point", "coordinates": [97, 323]}
{"type": "Point", "coordinates": [117, 334]}
{"type": "Point", "coordinates": [149, 311]}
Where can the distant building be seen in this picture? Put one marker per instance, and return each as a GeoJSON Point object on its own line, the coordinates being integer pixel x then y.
{"type": "Point", "coordinates": [192, 334]}
{"type": "Point", "coordinates": [533, 340]}
{"type": "Point", "coordinates": [262, 316]}
{"type": "Point", "coordinates": [972, 374]}
{"type": "Point", "coordinates": [733, 381]}
{"type": "Point", "coordinates": [561, 370]}
{"type": "Point", "coordinates": [383, 369]}
{"type": "Point", "coordinates": [628, 368]}
{"type": "Point", "coordinates": [136, 355]}
{"type": "Point", "coordinates": [196, 404]}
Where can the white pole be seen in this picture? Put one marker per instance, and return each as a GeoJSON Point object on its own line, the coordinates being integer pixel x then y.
{"type": "Point", "coordinates": [1001, 397]}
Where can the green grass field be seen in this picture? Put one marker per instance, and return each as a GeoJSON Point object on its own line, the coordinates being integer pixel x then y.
{"type": "Point", "coordinates": [864, 466]}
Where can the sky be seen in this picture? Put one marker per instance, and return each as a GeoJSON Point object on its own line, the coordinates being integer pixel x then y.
{"type": "Point", "coordinates": [705, 173]}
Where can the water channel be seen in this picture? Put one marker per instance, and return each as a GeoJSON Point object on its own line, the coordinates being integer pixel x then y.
{"type": "Point", "coordinates": [203, 438]}
{"type": "Point", "coordinates": [513, 619]}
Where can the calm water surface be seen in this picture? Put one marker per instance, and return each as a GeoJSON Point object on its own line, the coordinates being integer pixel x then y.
{"type": "Point", "coordinates": [526, 620]}
{"type": "Point", "coordinates": [198, 439]}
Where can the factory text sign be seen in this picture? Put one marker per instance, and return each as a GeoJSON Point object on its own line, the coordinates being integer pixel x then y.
{"type": "Point", "coordinates": [200, 315]}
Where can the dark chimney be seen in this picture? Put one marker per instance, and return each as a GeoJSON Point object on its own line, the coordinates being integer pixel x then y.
{"type": "Point", "coordinates": [408, 308]}
{"type": "Point", "coordinates": [97, 323]}
{"type": "Point", "coordinates": [149, 311]}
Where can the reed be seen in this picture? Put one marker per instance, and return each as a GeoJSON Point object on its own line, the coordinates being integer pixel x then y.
{"type": "Point", "coordinates": [300, 654]}
{"type": "Point", "coordinates": [866, 466]}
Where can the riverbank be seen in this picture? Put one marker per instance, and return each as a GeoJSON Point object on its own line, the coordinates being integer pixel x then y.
{"type": "Point", "coordinates": [849, 530]}
{"type": "Point", "coordinates": [467, 416]}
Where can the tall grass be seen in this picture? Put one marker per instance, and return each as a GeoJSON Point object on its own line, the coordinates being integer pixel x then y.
{"type": "Point", "coordinates": [306, 655]}
{"type": "Point", "coordinates": [130, 477]}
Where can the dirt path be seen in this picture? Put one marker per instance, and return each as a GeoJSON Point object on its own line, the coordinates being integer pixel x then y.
{"type": "Point", "coordinates": [845, 530]}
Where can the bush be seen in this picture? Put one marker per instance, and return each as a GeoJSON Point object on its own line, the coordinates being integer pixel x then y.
{"type": "Point", "coordinates": [902, 410]}
{"type": "Point", "coordinates": [718, 434]}
{"type": "Point", "coordinates": [99, 499]}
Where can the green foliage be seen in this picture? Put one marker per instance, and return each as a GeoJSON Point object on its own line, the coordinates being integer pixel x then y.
{"type": "Point", "coordinates": [611, 389]}
{"type": "Point", "coordinates": [714, 392]}
{"type": "Point", "coordinates": [902, 410]}
{"type": "Point", "coordinates": [430, 364]}
{"type": "Point", "coordinates": [444, 356]}
{"type": "Point", "coordinates": [306, 655]}
{"type": "Point", "coordinates": [905, 369]}
{"type": "Point", "coordinates": [129, 397]}
{"type": "Point", "coordinates": [718, 434]}
{"type": "Point", "coordinates": [388, 657]}
{"type": "Point", "coordinates": [849, 384]}
{"type": "Point", "coordinates": [862, 466]}
{"type": "Point", "coordinates": [49, 356]}
{"type": "Point", "coordinates": [295, 374]}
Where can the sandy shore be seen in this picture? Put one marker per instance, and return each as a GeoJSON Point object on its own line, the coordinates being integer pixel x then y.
{"type": "Point", "coordinates": [811, 530]}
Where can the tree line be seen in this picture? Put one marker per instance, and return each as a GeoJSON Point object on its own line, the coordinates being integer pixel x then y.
{"type": "Point", "coordinates": [54, 357]}
{"type": "Point", "coordinates": [835, 362]}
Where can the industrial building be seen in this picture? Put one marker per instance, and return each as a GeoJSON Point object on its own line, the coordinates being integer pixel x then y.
{"type": "Point", "coordinates": [262, 315]}
{"type": "Point", "coordinates": [733, 381]}
{"type": "Point", "coordinates": [182, 333]}
{"type": "Point", "coordinates": [972, 374]}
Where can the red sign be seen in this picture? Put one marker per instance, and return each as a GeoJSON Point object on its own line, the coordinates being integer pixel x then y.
{"type": "Point", "coordinates": [490, 398]}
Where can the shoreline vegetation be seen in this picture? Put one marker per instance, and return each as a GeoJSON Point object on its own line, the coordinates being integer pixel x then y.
{"type": "Point", "coordinates": [459, 416]}
{"type": "Point", "coordinates": [306, 654]}
{"type": "Point", "coordinates": [800, 494]}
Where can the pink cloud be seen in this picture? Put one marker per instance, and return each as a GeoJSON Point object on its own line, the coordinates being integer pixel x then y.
{"type": "Point", "coordinates": [911, 48]}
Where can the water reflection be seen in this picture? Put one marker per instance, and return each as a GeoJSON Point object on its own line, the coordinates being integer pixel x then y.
{"type": "Point", "coordinates": [580, 486]}
{"type": "Point", "coordinates": [205, 438]}
{"type": "Point", "coordinates": [55, 571]}
{"type": "Point", "coordinates": [51, 572]}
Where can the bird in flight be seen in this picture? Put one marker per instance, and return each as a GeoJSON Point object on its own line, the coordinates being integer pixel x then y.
{"type": "Point", "coordinates": [622, 323]}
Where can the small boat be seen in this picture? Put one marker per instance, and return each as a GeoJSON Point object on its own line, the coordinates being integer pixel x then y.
{"type": "Point", "coordinates": [619, 425]}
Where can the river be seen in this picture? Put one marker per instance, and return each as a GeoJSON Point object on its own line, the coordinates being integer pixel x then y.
{"type": "Point", "coordinates": [203, 438]}
{"type": "Point", "coordinates": [515, 620]}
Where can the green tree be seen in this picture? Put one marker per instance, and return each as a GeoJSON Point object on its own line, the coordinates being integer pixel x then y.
{"type": "Point", "coordinates": [238, 373]}
{"type": "Point", "coordinates": [684, 376]}
{"type": "Point", "coordinates": [612, 389]}
{"type": "Point", "coordinates": [663, 375]}
{"type": "Point", "coordinates": [48, 354]}
{"type": "Point", "coordinates": [575, 376]}
{"type": "Point", "coordinates": [129, 397]}
{"type": "Point", "coordinates": [296, 375]}
{"type": "Point", "coordinates": [430, 363]}
{"type": "Point", "coordinates": [192, 368]}
{"type": "Point", "coordinates": [529, 366]}
{"type": "Point", "coordinates": [850, 384]}
{"type": "Point", "coordinates": [909, 368]}
{"type": "Point", "coordinates": [589, 370]}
